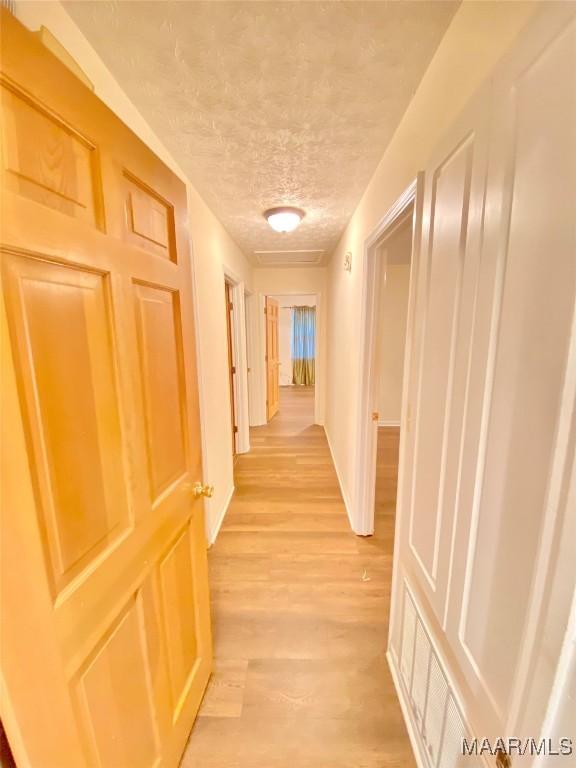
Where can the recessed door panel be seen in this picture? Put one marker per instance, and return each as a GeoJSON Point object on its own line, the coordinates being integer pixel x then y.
{"type": "Point", "coordinates": [61, 325]}
{"type": "Point", "coordinates": [45, 159]}
{"type": "Point", "coordinates": [177, 590]}
{"type": "Point", "coordinates": [441, 294]}
{"type": "Point", "coordinates": [159, 337]}
{"type": "Point", "coordinates": [149, 219]}
{"type": "Point", "coordinates": [116, 695]}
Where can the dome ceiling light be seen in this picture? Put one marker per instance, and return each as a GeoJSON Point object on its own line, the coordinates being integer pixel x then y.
{"type": "Point", "coordinates": [284, 218]}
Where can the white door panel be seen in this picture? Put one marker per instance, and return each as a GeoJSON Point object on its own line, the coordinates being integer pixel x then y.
{"type": "Point", "coordinates": [494, 345]}
{"type": "Point", "coordinates": [451, 238]}
{"type": "Point", "coordinates": [506, 486]}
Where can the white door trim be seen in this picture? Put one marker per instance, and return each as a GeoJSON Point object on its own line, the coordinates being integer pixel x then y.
{"type": "Point", "coordinates": [240, 359]}
{"type": "Point", "coordinates": [366, 443]}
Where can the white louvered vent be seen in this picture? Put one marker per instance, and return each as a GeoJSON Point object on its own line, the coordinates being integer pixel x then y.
{"type": "Point", "coordinates": [435, 716]}
{"type": "Point", "coordinates": [285, 258]}
{"type": "Point", "coordinates": [396, 629]}
{"type": "Point", "coordinates": [454, 731]}
{"type": "Point", "coordinates": [436, 700]}
{"type": "Point", "coordinates": [420, 673]}
{"type": "Point", "coordinates": [408, 637]}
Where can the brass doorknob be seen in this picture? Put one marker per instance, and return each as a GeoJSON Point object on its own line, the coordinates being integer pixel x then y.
{"type": "Point", "coordinates": [202, 490]}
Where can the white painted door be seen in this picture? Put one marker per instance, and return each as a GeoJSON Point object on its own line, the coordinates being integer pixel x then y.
{"type": "Point", "coordinates": [495, 371]}
{"type": "Point", "coordinates": [521, 390]}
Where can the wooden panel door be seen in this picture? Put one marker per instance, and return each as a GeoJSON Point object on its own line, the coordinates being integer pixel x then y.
{"type": "Point", "coordinates": [106, 646]}
{"type": "Point", "coordinates": [272, 358]}
{"type": "Point", "coordinates": [231, 366]}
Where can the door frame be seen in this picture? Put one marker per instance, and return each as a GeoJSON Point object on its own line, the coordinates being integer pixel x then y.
{"type": "Point", "coordinates": [318, 352]}
{"type": "Point", "coordinates": [237, 293]}
{"type": "Point", "coordinates": [362, 512]}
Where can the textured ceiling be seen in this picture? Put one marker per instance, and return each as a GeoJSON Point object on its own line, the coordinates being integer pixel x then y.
{"type": "Point", "coordinates": [271, 103]}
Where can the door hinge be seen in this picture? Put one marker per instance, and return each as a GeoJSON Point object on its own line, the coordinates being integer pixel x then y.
{"type": "Point", "coordinates": [230, 306]}
{"type": "Point", "coordinates": [235, 429]}
{"type": "Point", "coordinates": [233, 369]}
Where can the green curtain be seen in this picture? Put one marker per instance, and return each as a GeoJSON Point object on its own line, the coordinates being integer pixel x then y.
{"type": "Point", "coordinates": [303, 345]}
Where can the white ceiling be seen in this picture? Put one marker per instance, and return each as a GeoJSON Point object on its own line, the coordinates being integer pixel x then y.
{"type": "Point", "coordinates": [271, 103]}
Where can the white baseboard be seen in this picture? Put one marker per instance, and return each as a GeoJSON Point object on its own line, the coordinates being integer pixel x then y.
{"type": "Point", "coordinates": [389, 423]}
{"type": "Point", "coordinates": [342, 491]}
{"type": "Point", "coordinates": [413, 735]}
{"type": "Point", "coordinates": [216, 528]}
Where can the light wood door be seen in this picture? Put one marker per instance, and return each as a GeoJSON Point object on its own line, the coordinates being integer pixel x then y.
{"type": "Point", "coordinates": [272, 358]}
{"type": "Point", "coordinates": [231, 366]}
{"type": "Point", "coordinates": [106, 646]}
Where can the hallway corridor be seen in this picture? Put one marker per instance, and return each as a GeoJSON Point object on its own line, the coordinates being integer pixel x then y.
{"type": "Point", "coordinates": [300, 613]}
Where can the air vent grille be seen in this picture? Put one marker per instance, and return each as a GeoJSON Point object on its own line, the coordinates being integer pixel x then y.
{"type": "Point", "coordinates": [285, 258]}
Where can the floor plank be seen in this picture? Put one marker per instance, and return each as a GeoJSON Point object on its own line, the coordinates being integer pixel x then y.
{"type": "Point", "coordinates": [300, 612]}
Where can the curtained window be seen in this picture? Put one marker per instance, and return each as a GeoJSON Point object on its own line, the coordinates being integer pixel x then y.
{"type": "Point", "coordinates": [303, 345]}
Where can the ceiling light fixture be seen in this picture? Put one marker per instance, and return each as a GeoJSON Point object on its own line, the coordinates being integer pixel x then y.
{"type": "Point", "coordinates": [284, 219]}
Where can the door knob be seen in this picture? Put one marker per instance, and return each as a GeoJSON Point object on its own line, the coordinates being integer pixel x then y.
{"type": "Point", "coordinates": [198, 489]}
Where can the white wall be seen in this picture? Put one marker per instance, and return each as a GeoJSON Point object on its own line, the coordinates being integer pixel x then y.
{"type": "Point", "coordinates": [291, 282]}
{"type": "Point", "coordinates": [392, 314]}
{"type": "Point", "coordinates": [285, 326]}
{"type": "Point", "coordinates": [212, 248]}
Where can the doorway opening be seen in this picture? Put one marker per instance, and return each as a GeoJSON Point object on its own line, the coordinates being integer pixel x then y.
{"type": "Point", "coordinates": [391, 267]}
{"type": "Point", "coordinates": [291, 347]}
{"type": "Point", "coordinates": [235, 299]}
{"type": "Point", "coordinates": [394, 256]}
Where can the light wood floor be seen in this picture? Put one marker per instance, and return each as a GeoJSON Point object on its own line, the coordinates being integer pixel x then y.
{"type": "Point", "coordinates": [300, 612]}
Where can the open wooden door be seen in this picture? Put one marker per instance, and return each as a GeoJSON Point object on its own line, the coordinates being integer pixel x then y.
{"type": "Point", "coordinates": [106, 646]}
{"type": "Point", "coordinates": [272, 359]}
{"type": "Point", "coordinates": [231, 366]}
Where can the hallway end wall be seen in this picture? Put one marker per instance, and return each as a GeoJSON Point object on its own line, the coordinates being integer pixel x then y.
{"type": "Point", "coordinates": [212, 248]}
